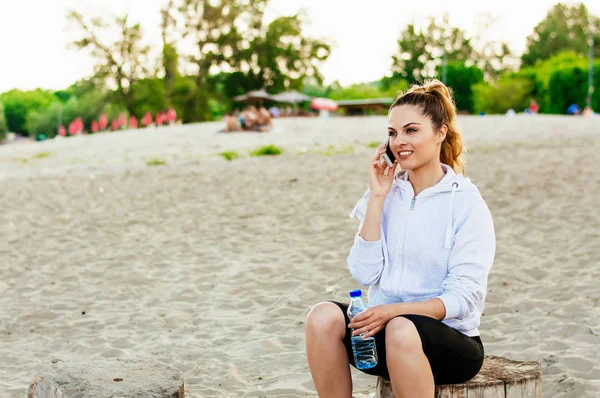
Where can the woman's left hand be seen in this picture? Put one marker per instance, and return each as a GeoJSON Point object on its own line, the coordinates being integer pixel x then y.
{"type": "Point", "coordinates": [371, 321]}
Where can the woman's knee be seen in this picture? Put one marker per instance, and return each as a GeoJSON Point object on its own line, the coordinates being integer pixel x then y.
{"type": "Point", "coordinates": [402, 335]}
{"type": "Point", "coordinates": [326, 319]}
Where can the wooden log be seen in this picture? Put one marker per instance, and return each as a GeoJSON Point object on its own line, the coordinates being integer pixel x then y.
{"type": "Point", "coordinates": [108, 378]}
{"type": "Point", "coordinates": [498, 378]}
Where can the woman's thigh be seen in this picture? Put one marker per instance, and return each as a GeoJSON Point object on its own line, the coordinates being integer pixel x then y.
{"type": "Point", "coordinates": [453, 356]}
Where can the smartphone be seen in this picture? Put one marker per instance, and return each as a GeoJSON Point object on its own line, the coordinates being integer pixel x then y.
{"type": "Point", "coordinates": [388, 156]}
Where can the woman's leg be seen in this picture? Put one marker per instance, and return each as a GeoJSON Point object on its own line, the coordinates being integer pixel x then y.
{"type": "Point", "coordinates": [327, 356]}
{"type": "Point", "coordinates": [407, 364]}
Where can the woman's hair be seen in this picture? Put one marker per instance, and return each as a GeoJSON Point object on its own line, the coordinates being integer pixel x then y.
{"type": "Point", "coordinates": [435, 100]}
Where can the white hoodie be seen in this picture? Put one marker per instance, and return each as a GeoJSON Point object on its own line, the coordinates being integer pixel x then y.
{"type": "Point", "coordinates": [440, 243]}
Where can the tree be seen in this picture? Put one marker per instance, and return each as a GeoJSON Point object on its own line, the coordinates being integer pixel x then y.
{"type": "Point", "coordinates": [282, 57]}
{"type": "Point", "coordinates": [564, 29]}
{"type": "Point", "coordinates": [213, 29]}
{"type": "Point", "coordinates": [420, 52]}
{"type": "Point", "coordinates": [170, 58]}
{"type": "Point", "coordinates": [123, 61]}
{"type": "Point", "coordinates": [493, 57]}
{"type": "Point", "coordinates": [461, 79]}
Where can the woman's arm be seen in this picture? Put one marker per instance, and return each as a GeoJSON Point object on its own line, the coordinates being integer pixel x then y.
{"type": "Point", "coordinates": [433, 308]}
{"type": "Point", "coordinates": [371, 226]}
{"type": "Point", "coordinates": [375, 318]}
{"type": "Point", "coordinates": [365, 260]}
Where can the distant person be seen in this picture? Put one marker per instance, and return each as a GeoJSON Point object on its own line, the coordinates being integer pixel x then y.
{"type": "Point", "coordinates": [274, 111]}
{"type": "Point", "coordinates": [573, 110]}
{"type": "Point", "coordinates": [533, 107]}
{"type": "Point", "coordinates": [425, 246]}
{"type": "Point", "coordinates": [232, 123]}
{"type": "Point", "coordinates": [510, 112]}
{"type": "Point", "coordinates": [248, 118]}
{"type": "Point", "coordinates": [263, 120]}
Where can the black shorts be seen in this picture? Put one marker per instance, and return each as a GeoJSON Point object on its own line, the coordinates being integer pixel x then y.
{"type": "Point", "coordinates": [453, 356]}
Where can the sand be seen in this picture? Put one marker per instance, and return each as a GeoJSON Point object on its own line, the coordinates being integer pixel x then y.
{"type": "Point", "coordinates": [212, 266]}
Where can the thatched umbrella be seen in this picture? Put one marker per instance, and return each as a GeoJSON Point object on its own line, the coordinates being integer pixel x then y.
{"type": "Point", "coordinates": [292, 97]}
{"type": "Point", "coordinates": [257, 96]}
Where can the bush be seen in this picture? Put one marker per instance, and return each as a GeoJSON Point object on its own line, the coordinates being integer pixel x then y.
{"type": "Point", "coordinates": [568, 86]}
{"type": "Point", "coordinates": [230, 155]}
{"type": "Point", "coordinates": [461, 79]}
{"type": "Point", "coordinates": [41, 155]}
{"type": "Point", "coordinates": [155, 162]}
{"type": "Point", "coordinates": [3, 127]}
{"type": "Point", "coordinates": [19, 104]}
{"type": "Point", "coordinates": [504, 94]}
{"type": "Point", "coordinates": [267, 150]}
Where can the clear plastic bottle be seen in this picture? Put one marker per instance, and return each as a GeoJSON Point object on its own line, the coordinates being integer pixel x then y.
{"type": "Point", "coordinates": [364, 350]}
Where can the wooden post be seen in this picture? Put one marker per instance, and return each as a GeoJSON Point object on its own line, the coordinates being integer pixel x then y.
{"type": "Point", "coordinates": [498, 378]}
{"type": "Point", "coordinates": [108, 378]}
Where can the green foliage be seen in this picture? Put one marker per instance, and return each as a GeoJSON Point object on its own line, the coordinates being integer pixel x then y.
{"type": "Point", "coordinates": [356, 91]}
{"type": "Point", "coordinates": [229, 155]}
{"type": "Point", "coordinates": [373, 144]}
{"type": "Point", "coordinates": [542, 73]}
{"type": "Point", "coordinates": [420, 51]}
{"type": "Point", "coordinates": [501, 95]}
{"type": "Point", "coordinates": [3, 126]}
{"type": "Point", "coordinates": [41, 155]}
{"type": "Point", "coordinates": [267, 150]}
{"type": "Point", "coordinates": [19, 104]}
{"type": "Point", "coordinates": [88, 107]}
{"type": "Point", "coordinates": [565, 28]}
{"type": "Point", "coordinates": [155, 162]}
{"type": "Point", "coordinates": [461, 79]}
{"type": "Point", "coordinates": [332, 150]}
{"type": "Point", "coordinates": [570, 86]}
{"type": "Point", "coordinates": [284, 56]}
{"type": "Point", "coordinates": [149, 95]}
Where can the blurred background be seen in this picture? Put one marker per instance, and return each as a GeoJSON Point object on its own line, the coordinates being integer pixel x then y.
{"type": "Point", "coordinates": [67, 63]}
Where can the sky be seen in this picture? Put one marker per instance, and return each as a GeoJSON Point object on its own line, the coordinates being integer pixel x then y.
{"type": "Point", "coordinates": [35, 37]}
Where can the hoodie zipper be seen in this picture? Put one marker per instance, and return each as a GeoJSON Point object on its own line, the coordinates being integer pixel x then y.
{"type": "Point", "coordinates": [412, 207]}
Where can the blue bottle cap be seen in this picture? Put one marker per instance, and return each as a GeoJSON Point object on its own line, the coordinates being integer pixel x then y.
{"type": "Point", "coordinates": [355, 293]}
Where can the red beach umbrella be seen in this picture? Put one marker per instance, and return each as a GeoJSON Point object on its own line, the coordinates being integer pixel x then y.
{"type": "Point", "coordinates": [103, 122]}
{"type": "Point", "coordinates": [324, 104]}
{"type": "Point", "coordinates": [171, 115]}
{"type": "Point", "coordinates": [122, 120]}
{"type": "Point", "coordinates": [147, 119]}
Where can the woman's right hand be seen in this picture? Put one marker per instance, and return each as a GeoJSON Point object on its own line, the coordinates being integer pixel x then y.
{"type": "Point", "coordinates": [380, 176]}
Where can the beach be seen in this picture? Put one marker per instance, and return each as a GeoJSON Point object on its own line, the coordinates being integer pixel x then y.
{"type": "Point", "coordinates": [149, 244]}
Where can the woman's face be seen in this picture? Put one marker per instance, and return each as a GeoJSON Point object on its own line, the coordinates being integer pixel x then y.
{"type": "Point", "coordinates": [412, 137]}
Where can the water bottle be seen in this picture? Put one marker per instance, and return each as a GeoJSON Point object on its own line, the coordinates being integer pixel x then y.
{"type": "Point", "coordinates": [364, 351]}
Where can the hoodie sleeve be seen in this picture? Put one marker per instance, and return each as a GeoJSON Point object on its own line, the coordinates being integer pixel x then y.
{"type": "Point", "coordinates": [365, 260]}
{"type": "Point", "coordinates": [469, 263]}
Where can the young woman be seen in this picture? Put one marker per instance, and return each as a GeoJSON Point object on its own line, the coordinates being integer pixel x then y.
{"type": "Point", "coordinates": [425, 246]}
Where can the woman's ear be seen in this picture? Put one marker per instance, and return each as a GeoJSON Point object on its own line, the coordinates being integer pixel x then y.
{"type": "Point", "coordinates": [442, 133]}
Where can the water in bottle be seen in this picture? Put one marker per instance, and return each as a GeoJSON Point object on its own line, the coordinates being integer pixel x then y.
{"type": "Point", "coordinates": [364, 350]}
